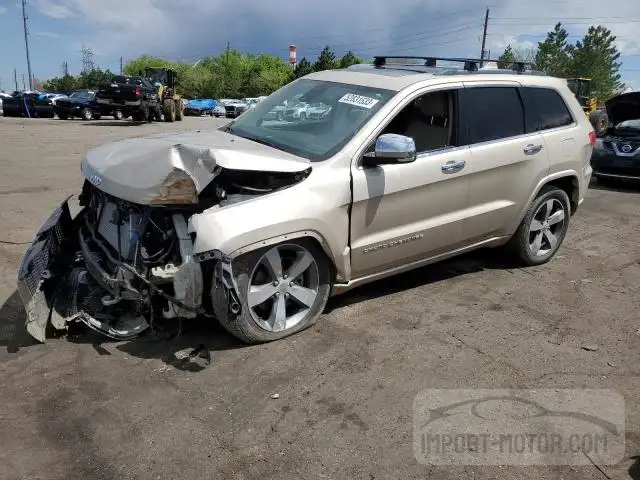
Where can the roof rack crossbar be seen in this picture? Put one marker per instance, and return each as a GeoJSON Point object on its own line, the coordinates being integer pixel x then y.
{"type": "Point", "coordinates": [470, 64]}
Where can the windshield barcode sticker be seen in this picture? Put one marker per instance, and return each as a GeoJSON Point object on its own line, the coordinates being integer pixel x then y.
{"type": "Point", "coordinates": [358, 100]}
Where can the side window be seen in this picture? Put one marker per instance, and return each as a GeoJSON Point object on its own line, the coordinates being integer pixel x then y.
{"type": "Point", "coordinates": [545, 109]}
{"type": "Point", "coordinates": [429, 120]}
{"type": "Point", "coordinates": [491, 113]}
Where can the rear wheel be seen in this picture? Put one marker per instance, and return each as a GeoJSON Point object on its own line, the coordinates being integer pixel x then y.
{"type": "Point", "coordinates": [282, 289]}
{"type": "Point", "coordinates": [543, 228]}
{"type": "Point", "coordinates": [179, 112]}
{"type": "Point", "coordinates": [117, 115]}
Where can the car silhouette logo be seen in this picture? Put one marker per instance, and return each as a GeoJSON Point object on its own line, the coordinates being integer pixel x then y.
{"type": "Point", "coordinates": [626, 148]}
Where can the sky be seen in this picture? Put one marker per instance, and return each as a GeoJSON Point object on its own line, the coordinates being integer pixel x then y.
{"type": "Point", "coordinates": [190, 29]}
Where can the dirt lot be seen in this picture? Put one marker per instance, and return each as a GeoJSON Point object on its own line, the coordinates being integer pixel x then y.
{"type": "Point", "coordinates": [77, 408]}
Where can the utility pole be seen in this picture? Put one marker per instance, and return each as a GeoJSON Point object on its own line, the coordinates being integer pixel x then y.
{"type": "Point", "coordinates": [484, 38]}
{"type": "Point", "coordinates": [15, 78]}
{"type": "Point", "coordinates": [26, 42]}
{"type": "Point", "coordinates": [120, 65]}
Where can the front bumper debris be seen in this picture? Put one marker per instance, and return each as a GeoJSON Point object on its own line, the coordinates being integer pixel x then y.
{"type": "Point", "coordinates": [68, 275]}
{"type": "Point", "coordinates": [34, 269]}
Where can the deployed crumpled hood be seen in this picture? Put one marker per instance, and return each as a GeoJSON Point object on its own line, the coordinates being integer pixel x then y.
{"type": "Point", "coordinates": [134, 169]}
{"type": "Point", "coordinates": [623, 107]}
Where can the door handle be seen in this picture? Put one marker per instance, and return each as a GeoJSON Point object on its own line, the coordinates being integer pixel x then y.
{"type": "Point", "coordinates": [532, 149]}
{"type": "Point", "coordinates": [453, 166]}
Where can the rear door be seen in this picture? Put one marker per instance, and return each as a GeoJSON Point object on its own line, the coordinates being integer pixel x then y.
{"type": "Point", "coordinates": [506, 158]}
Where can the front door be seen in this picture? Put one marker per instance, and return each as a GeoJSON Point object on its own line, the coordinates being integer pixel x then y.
{"type": "Point", "coordinates": [406, 212]}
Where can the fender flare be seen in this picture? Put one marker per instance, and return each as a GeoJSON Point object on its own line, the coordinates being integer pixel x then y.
{"type": "Point", "coordinates": [313, 234]}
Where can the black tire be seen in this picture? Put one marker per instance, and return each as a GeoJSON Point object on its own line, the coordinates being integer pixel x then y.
{"type": "Point", "coordinates": [599, 121]}
{"type": "Point", "coordinates": [87, 114]}
{"type": "Point", "coordinates": [117, 115]}
{"type": "Point", "coordinates": [243, 326]}
{"type": "Point", "coordinates": [179, 112]}
{"type": "Point", "coordinates": [169, 110]}
{"type": "Point", "coordinates": [520, 242]}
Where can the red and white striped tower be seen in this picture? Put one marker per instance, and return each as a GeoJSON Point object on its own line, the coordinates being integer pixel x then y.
{"type": "Point", "coordinates": [292, 56]}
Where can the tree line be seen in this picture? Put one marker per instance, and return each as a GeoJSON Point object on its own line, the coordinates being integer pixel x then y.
{"type": "Point", "coordinates": [233, 74]}
{"type": "Point", "coordinates": [595, 56]}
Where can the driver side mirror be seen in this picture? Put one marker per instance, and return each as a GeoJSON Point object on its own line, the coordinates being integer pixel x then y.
{"type": "Point", "coordinates": [391, 149]}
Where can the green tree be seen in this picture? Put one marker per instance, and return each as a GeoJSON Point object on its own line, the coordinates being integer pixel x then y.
{"type": "Point", "coordinates": [65, 84]}
{"type": "Point", "coordinates": [348, 59]}
{"type": "Point", "coordinates": [326, 60]}
{"type": "Point", "coordinates": [93, 78]}
{"type": "Point", "coordinates": [507, 57]}
{"type": "Point", "coordinates": [553, 55]}
{"type": "Point", "coordinates": [304, 67]}
{"type": "Point", "coordinates": [597, 57]}
{"type": "Point", "coordinates": [134, 67]}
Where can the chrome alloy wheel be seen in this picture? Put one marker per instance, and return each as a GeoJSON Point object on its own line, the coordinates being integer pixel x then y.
{"type": "Point", "coordinates": [283, 287]}
{"type": "Point", "coordinates": [546, 228]}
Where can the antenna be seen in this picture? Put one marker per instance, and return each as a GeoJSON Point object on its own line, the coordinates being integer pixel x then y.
{"type": "Point", "coordinates": [26, 41]}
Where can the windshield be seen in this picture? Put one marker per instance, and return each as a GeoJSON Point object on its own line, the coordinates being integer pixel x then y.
{"type": "Point", "coordinates": [629, 124]}
{"type": "Point", "coordinates": [350, 107]}
{"type": "Point", "coordinates": [83, 94]}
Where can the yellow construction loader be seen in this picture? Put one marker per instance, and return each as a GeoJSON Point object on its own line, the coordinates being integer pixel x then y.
{"type": "Point", "coordinates": [171, 103]}
{"type": "Point", "coordinates": [581, 88]}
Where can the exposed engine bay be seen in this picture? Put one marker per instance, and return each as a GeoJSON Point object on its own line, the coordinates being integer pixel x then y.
{"type": "Point", "coordinates": [118, 265]}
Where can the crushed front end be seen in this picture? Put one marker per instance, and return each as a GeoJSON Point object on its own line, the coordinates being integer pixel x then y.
{"type": "Point", "coordinates": [112, 267]}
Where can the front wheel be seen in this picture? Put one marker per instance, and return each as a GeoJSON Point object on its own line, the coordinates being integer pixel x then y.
{"type": "Point", "coordinates": [282, 289]}
{"type": "Point", "coordinates": [87, 114]}
{"type": "Point", "coordinates": [117, 115]}
{"type": "Point", "coordinates": [543, 228]}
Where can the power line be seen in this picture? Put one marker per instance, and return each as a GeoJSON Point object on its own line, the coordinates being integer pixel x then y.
{"type": "Point", "coordinates": [26, 42]}
{"type": "Point", "coordinates": [395, 26]}
{"type": "Point", "coordinates": [406, 38]}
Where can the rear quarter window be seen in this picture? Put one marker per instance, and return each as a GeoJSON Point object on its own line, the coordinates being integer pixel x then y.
{"type": "Point", "coordinates": [545, 109]}
{"type": "Point", "coordinates": [490, 113]}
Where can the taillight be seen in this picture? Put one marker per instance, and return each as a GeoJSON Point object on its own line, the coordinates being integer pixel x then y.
{"type": "Point", "coordinates": [592, 138]}
{"type": "Point", "coordinates": [138, 92]}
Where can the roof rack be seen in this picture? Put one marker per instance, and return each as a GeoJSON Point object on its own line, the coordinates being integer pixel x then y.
{"type": "Point", "coordinates": [470, 64]}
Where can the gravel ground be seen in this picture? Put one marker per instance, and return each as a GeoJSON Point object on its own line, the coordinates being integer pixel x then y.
{"type": "Point", "coordinates": [76, 408]}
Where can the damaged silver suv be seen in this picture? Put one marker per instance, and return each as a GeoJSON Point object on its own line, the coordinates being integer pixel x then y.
{"type": "Point", "coordinates": [259, 222]}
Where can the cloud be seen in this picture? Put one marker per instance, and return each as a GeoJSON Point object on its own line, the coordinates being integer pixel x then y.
{"type": "Point", "coordinates": [53, 9]}
{"type": "Point", "coordinates": [189, 29]}
{"type": "Point", "coordinates": [46, 34]}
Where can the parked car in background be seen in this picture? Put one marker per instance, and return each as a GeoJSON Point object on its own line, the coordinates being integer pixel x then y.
{"type": "Point", "coordinates": [2, 96]}
{"type": "Point", "coordinates": [616, 155]}
{"type": "Point", "coordinates": [234, 108]}
{"type": "Point", "coordinates": [53, 96]}
{"type": "Point", "coordinates": [80, 104]}
{"type": "Point", "coordinates": [200, 106]}
{"type": "Point", "coordinates": [27, 104]}
{"type": "Point", "coordinates": [219, 110]}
